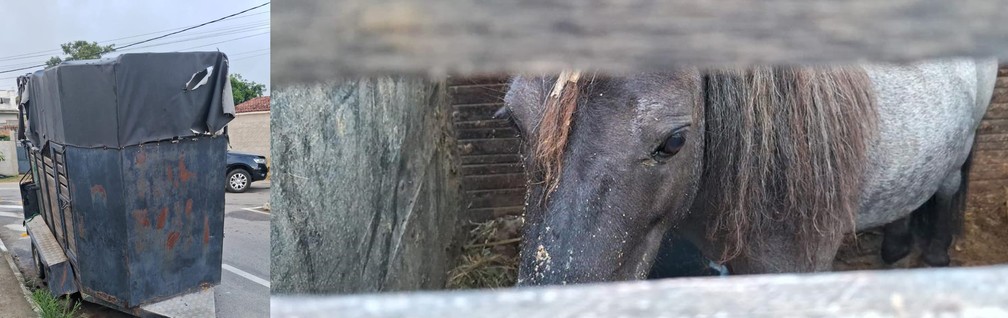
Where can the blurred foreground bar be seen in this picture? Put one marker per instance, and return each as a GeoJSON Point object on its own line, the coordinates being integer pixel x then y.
{"type": "Point", "coordinates": [323, 40]}
{"type": "Point", "coordinates": [947, 292]}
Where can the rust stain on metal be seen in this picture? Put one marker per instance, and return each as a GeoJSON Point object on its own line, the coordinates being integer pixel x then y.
{"type": "Point", "coordinates": [104, 296]}
{"type": "Point", "coordinates": [141, 158]}
{"type": "Point", "coordinates": [63, 276]}
{"type": "Point", "coordinates": [139, 246]}
{"type": "Point", "coordinates": [98, 190]}
{"type": "Point", "coordinates": [184, 173]}
{"type": "Point", "coordinates": [173, 238]}
{"type": "Point", "coordinates": [170, 176]}
{"type": "Point", "coordinates": [141, 218]}
{"type": "Point", "coordinates": [161, 218]}
{"type": "Point", "coordinates": [188, 207]}
{"type": "Point", "coordinates": [206, 229]}
{"type": "Point", "coordinates": [177, 222]}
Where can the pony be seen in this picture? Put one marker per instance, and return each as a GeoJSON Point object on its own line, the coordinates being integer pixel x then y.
{"type": "Point", "coordinates": [765, 169]}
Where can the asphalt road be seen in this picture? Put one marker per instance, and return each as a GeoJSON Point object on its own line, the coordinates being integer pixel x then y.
{"type": "Point", "coordinates": [244, 288]}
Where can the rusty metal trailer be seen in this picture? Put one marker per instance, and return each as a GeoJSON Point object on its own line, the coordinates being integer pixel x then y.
{"type": "Point", "coordinates": [125, 204]}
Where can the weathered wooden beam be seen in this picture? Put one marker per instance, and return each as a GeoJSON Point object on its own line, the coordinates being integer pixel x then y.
{"type": "Point", "coordinates": [322, 40]}
{"type": "Point", "coordinates": [953, 292]}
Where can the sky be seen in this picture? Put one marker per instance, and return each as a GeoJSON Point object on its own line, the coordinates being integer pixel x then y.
{"type": "Point", "coordinates": [33, 31]}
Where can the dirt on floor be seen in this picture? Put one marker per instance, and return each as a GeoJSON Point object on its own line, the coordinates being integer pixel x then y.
{"type": "Point", "coordinates": [490, 258]}
{"type": "Point", "coordinates": [983, 240]}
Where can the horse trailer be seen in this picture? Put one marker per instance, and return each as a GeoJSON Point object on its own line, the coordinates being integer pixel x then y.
{"type": "Point", "coordinates": [124, 204]}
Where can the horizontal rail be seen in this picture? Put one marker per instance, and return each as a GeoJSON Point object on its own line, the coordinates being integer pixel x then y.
{"type": "Point", "coordinates": [949, 292]}
{"type": "Point", "coordinates": [323, 40]}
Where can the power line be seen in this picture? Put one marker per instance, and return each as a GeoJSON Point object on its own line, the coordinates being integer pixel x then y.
{"type": "Point", "coordinates": [180, 27]}
{"type": "Point", "coordinates": [49, 52]}
{"type": "Point", "coordinates": [23, 68]}
{"type": "Point", "coordinates": [192, 27]}
{"type": "Point", "coordinates": [233, 28]}
{"type": "Point", "coordinates": [246, 53]}
{"type": "Point", "coordinates": [157, 37]}
{"type": "Point", "coordinates": [250, 56]}
{"type": "Point", "coordinates": [196, 38]}
{"type": "Point", "coordinates": [219, 32]}
{"type": "Point", "coordinates": [225, 41]}
{"type": "Point", "coordinates": [18, 67]}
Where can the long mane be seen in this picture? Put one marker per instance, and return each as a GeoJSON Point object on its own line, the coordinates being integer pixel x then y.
{"type": "Point", "coordinates": [785, 150]}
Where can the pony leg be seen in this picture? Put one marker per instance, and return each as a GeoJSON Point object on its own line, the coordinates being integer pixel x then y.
{"type": "Point", "coordinates": [944, 221]}
{"type": "Point", "coordinates": [897, 240]}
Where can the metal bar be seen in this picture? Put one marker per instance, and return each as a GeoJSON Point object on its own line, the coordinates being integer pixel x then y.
{"type": "Point", "coordinates": [59, 204]}
{"type": "Point", "coordinates": [323, 40]}
{"type": "Point", "coordinates": [66, 206]}
{"type": "Point", "coordinates": [44, 191]}
{"type": "Point", "coordinates": [947, 292]}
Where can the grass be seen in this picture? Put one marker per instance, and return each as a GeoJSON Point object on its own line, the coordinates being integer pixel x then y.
{"type": "Point", "coordinates": [53, 307]}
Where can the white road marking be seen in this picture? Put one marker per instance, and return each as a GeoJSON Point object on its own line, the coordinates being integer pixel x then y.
{"type": "Point", "coordinates": [253, 278]}
{"type": "Point", "coordinates": [16, 228]}
{"type": "Point", "coordinates": [12, 214]}
{"type": "Point", "coordinates": [17, 207]}
{"type": "Point", "coordinates": [256, 211]}
{"type": "Point", "coordinates": [3, 248]}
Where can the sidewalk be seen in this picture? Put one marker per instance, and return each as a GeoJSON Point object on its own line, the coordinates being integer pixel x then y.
{"type": "Point", "coordinates": [12, 297]}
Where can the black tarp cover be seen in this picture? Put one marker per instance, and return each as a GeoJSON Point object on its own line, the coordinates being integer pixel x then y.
{"type": "Point", "coordinates": [129, 100]}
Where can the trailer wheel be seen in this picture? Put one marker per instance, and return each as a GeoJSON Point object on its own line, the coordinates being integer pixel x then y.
{"type": "Point", "coordinates": [39, 270]}
{"type": "Point", "coordinates": [238, 180]}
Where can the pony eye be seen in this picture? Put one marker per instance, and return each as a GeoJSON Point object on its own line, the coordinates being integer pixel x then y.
{"type": "Point", "coordinates": [671, 145]}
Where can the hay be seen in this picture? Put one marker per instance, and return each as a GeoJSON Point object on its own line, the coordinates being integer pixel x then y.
{"type": "Point", "coordinates": [490, 256]}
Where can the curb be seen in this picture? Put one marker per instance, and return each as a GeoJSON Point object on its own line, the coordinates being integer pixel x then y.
{"type": "Point", "coordinates": [21, 281]}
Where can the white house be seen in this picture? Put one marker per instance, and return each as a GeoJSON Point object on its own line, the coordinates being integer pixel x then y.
{"type": "Point", "coordinates": [8, 111]}
{"type": "Point", "coordinates": [8, 127]}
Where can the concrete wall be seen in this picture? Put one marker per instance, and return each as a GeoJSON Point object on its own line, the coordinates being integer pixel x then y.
{"type": "Point", "coordinates": [250, 132]}
{"type": "Point", "coordinates": [365, 195]}
{"type": "Point", "coordinates": [8, 166]}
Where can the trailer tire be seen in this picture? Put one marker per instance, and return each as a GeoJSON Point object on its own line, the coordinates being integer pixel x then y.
{"type": "Point", "coordinates": [39, 270]}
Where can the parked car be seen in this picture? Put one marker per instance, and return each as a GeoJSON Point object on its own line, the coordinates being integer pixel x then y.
{"type": "Point", "coordinates": [243, 169]}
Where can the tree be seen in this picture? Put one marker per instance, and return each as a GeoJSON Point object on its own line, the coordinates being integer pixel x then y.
{"type": "Point", "coordinates": [80, 50]}
{"type": "Point", "coordinates": [244, 90]}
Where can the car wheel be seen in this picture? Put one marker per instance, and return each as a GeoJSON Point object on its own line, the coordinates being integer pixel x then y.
{"type": "Point", "coordinates": [238, 180]}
